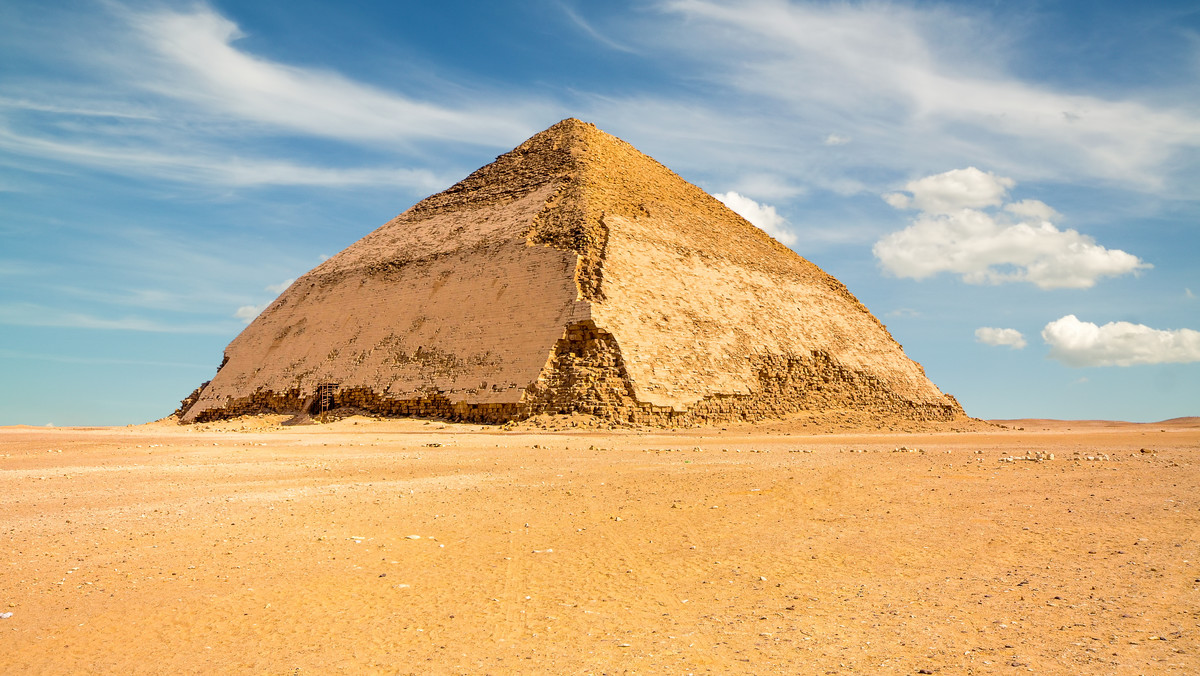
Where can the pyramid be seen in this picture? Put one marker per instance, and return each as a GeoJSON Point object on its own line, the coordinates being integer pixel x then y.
{"type": "Point", "coordinates": [572, 275]}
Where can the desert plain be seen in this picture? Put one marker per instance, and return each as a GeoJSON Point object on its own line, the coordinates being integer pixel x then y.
{"type": "Point", "coordinates": [369, 546]}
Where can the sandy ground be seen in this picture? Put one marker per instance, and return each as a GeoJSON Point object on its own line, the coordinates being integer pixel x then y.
{"type": "Point", "coordinates": [409, 547]}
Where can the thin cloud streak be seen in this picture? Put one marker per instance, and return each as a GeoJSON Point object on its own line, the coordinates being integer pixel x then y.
{"type": "Point", "coordinates": [227, 171]}
{"type": "Point", "coordinates": [29, 314]}
{"type": "Point", "coordinates": [24, 104]}
{"type": "Point", "coordinates": [592, 32]}
{"type": "Point", "coordinates": [25, 356]}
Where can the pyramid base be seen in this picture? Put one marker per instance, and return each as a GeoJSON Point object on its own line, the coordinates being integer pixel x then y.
{"type": "Point", "coordinates": [586, 376]}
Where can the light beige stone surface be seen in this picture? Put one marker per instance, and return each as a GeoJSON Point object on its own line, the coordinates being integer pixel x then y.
{"type": "Point", "coordinates": [572, 275]}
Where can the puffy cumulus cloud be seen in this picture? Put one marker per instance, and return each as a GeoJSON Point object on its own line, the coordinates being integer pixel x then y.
{"type": "Point", "coordinates": [761, 215]}
{"type": "Point", "coordinates": [1078, 343]}
{"type": "Point", "coordinates": [953, 190]}
{"type": "Point", "coordinates": [993, 336]}
{"type": "Point", "coordinates": [955, 233]}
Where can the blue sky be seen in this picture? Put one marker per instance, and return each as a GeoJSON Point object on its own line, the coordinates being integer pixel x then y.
{"type": "Point", "coordinates": [1012, 187]}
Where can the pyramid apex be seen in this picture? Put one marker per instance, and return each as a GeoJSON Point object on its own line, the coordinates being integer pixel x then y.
{"type": "Point", "coordinates": [573, 122]}
{"type": "Point", "coordinates": [571, 128]}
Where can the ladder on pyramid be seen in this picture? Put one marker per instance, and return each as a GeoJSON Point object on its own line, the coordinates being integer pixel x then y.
{"type": "Point", "coordinates": [325, 396]}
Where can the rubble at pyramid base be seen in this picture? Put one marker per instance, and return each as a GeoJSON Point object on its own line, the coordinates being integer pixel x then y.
{"type": "Point", "coordinates": [586, 374]}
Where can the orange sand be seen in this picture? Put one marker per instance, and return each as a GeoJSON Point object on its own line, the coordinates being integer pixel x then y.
{"type": "Point", "coordinates": [408, 547]}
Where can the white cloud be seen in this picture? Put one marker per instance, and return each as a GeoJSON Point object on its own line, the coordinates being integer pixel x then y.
{"type": "Point", "coordinates": [927, 83]}
{"type": "Point", "coordinates": [898, 200]}
{"type": "Point", "coordinates": [953, 234]}
{"type": "Point", "coordinates": [769, 186]}
{"type": "Point", "coordinates": [761, 215]}
{"type": "Point", "coordinates": [1033, 209]}
{"type": "Point", "coordinates": [1077, 343]}
{"type": "Point", "coordinates": [171, 94]}
{"type": "Point", "coordinates": [199, 63]}
{"type": "Point", "coordinates": [1187, 293]}
{"type": "Point", "coordinates": [993, 336]}
{"type": "Point", "coordinates": [953, 190]}
{"type": "Point", "coordinates": [280, 287]}
{"type": "Point", "coordinates": [836, 140]}
{"type": "Point", "coordinates": [247, 313]}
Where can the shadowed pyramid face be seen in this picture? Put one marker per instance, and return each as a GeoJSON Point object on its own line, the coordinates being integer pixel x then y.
{"type": "Point", "coordinates": [573, 274]}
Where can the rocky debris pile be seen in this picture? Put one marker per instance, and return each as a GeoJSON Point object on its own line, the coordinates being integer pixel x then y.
{"type": "Point", "coordinates": [1035, 456]}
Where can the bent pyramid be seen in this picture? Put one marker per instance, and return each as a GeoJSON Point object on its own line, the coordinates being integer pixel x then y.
{"type": "Point", "coordinates": [573, 274]}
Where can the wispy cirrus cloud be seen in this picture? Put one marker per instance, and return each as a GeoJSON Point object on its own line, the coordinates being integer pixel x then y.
{"type": "Point", "coordinates": [69, 359]}
{"type": "Point", "coordinates": [926, 84]}
{"type": "Point", "coordinates": [31, 314]}
{"type": "Point", "coordinates": [212, 167]}
{"type": "Point", "coordinates": [196, 59]}
{"type": "Point", "coordinates": [171, 95]}
{"type": "Point", "coordinates": [591, 31]}
{"type": "Point", "coordinates": [910, 86]}
{"type": "Point", "coordinates": [91, 111]}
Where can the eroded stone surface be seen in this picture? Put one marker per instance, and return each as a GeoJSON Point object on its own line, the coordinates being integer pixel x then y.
{"type": "Point", "coordinates": [574, 274]}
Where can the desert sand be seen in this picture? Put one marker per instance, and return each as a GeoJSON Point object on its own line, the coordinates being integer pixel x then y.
{"type": "Point", "coordinates": [407, 546]}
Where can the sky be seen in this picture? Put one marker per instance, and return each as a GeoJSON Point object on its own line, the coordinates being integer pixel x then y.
{"type": "Point", "coordinates": [1013, 187]}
